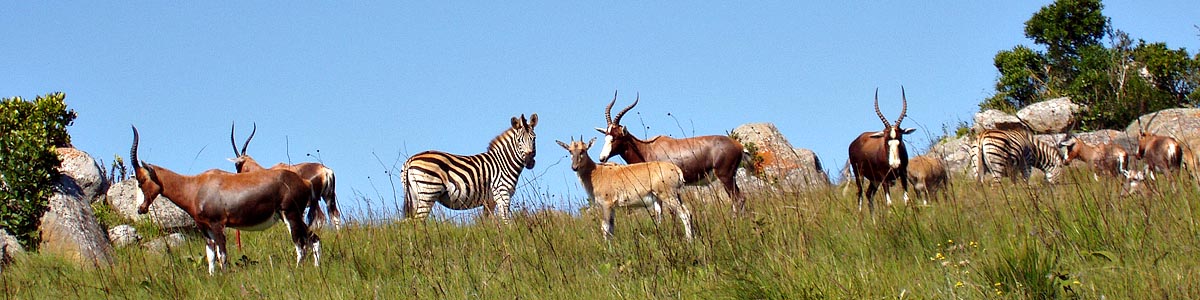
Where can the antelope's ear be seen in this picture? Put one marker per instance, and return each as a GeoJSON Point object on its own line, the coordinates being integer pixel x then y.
{"type": "Point", "coordinates": [601, 130]}
{"type": "Point", "coordinates": [908, 130]}
{"type": "Point", "coordinates": [533, 120]}
{"type": "Point", "coordinates": [877, 135]}
{"type": "Point", "coordinates": [593, 140]}
{"type": "Point", "coordinates": [564, 145]}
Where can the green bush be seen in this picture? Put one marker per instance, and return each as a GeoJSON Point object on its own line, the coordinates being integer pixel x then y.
{"type": "Point", "coordinates": [29, 133]}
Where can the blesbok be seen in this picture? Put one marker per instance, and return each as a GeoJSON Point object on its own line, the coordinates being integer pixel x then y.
{"type": "Point", "coordinates": [1162, 154]}
{"type": "Point", "coordinates": [1105, 158]}
{"type": "Point", "coordinates": [468, 181]}
{"type": "Point", "coordinates": [928, 176]}
{"type": "Point", "coordinates": [647, 184]}
{"type": "Point", "coordinates": [218, 199]}
{"type": "Point", "coordinates": [321, 177]}
{"type": "Point", "coordinates": [700, 158]}
{"type": "Point", "coordinates": [1014, 151]}
{"type": "Point", "coordinates": [880, 156]}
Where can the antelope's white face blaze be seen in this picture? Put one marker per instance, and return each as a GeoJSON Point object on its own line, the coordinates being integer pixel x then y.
{"type": "Point", "coordinates": [604, 152]}
{"type": "Point", "coordinates": [893, 152]}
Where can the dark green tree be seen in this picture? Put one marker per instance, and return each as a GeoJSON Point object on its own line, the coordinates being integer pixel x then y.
{"type": "Point", "coordinates": [29, 133]}
{"type": "Point", "coordinates": [1065, 27]}
{"type": "Point", "coordinates": [1117, 80]}
{"type": "Point", "coordinates": [1022, 79]}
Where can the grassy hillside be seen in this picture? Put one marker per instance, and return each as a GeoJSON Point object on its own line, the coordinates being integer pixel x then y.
{"type": "Point", "coordinates": [1011, 242]}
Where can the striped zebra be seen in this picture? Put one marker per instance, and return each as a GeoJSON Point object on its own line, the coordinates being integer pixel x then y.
{"type": "Point", "coordinates": [464, 182]}
{"type": "Point", "coordinates": [1012, 152]}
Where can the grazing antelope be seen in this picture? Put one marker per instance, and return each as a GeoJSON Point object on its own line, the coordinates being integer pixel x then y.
{"type": "Point", "coordinates": [1106, 158]}
{"type": "Point", "coordinates": [1135, 182]}
{"type": "Point", "coordinates": [1190, 159]}
{"type": "Point", "coordinates": [1014, 151]}
{"type": "Point", "coordinates": [321, 177]}
{"type": "Point", "coordinates": [1162, 154]}
{"type": "Point", "coordinates": [635, 185]}
{"type": "Point", "coordinates": [927, 174]}
{"type": "Point", "coordinates": [700, 158]}
{"type": "Point", "coordinates": [880, 156]}
{"type": "Point", "coordinates": [248, 201]}
{"type": "Point", "coordinates": [465, 182]}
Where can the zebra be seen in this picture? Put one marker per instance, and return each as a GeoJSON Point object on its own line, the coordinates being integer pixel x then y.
{"type": "Point", "coordinates": [1007, 152]}
{"type": "Point", "coordinates": [464, 182]}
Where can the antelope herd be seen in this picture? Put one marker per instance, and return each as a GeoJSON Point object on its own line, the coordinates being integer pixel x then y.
{"type": "Point", "coordinates": [255, 197]}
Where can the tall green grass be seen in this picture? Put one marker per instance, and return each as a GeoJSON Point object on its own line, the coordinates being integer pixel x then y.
{"type": "Point", "coordinates": [1078, 239]}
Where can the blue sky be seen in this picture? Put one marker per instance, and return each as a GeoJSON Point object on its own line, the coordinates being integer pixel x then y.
{"type": "Point", "coordinates": [367, 83]}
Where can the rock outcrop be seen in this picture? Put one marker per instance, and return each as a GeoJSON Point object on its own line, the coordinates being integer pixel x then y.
{"type": "Point", "coordinates": [781, 165]}
{"type": "Point", "coordinates": [994, 119]}
{"type": "Point", "coordinates": [123, 235]}
{"type": "Point", "coordinates": [125, 197]}
{"type": "Point", "coordinates": [87, 173]}
{"type": "Point", "coordinates": [1180, 123]}
{"type": "Point", "coordinates": [69, 228]}
{"type": "Point", "coordinates": [1050, 116]}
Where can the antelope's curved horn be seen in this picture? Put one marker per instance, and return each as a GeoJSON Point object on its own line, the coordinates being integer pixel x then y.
{"type": "Point", "coordinates": [877, 112]}
{"type": "Point", "coordinates": [623, 111]}
{"type": "Point", "coordinates": [233, 142]}
{"type": "Point", "coordinates": [608, 110]}
{"type": "Point", "coordinates": [248, 139]}
{"type": "Point", "coordinates": [133, 160]}
{"type": "Point", "coordinates": [903, 106]}
{"type": "Point", "coordinates": [1151, 121]}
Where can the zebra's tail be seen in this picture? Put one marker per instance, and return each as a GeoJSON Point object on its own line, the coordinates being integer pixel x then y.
{"type": "Point", "coordinates": [410, 206]}
{"type": "Point", "coordinates": [980, 161]}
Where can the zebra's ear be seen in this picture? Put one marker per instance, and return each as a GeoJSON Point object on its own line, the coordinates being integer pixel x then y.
{"type": "Point", "coordinates": [533, 120]}
{"type": "Point", "coordinates": [516, 123]}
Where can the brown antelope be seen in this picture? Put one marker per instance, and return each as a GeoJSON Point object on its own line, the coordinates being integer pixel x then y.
{"type": "Point", "coordinates": [1105, 158]}
{"type": "Point", "coordinates": [700, 158]}
{"type": "Point", "coordinates": [880, 156]}
{"type": "Point", "coordinates": [927, 174]}
{"type": "Point", "coordinates": [635, 185]}
{"type": "Point", "coordinates": [215, 200]}
{"type": "Point", "coordinates": [323, 181]}
{"type": "Point", "coordinates": [1161, 153]}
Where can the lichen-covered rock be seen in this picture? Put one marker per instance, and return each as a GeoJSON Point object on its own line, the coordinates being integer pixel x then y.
{"type": "Point", "coordinates": [87, 173]}
{"type": "Point", "coordinates": [1050, 116]}
{"type": "Point", "coordinates": [994, 119]}
{"type": "Point", "coordinates": [123, 235]}
{"type": "Point", "coordinates": [125, 197]}
{"type": "Point", "coordinates": [162, 244]}
{"type": "Point", "coordinates": [955, 152]}
{"type": "Point", "coordinates": [782, 166]}
{"type": "Point", "coordinates": [10, 247]}
{"type": "Point", "coordinates": [69, 229]}
{"type": "Point", "coordinates": [1180, 123]}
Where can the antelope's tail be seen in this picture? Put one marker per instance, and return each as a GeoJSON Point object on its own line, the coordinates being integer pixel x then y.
{"type": "Point", "coordinates": [329, 193]}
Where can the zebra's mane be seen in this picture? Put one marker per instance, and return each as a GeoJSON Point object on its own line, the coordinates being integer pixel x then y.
{"type": "Point", "coordinates": [503, 136]}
